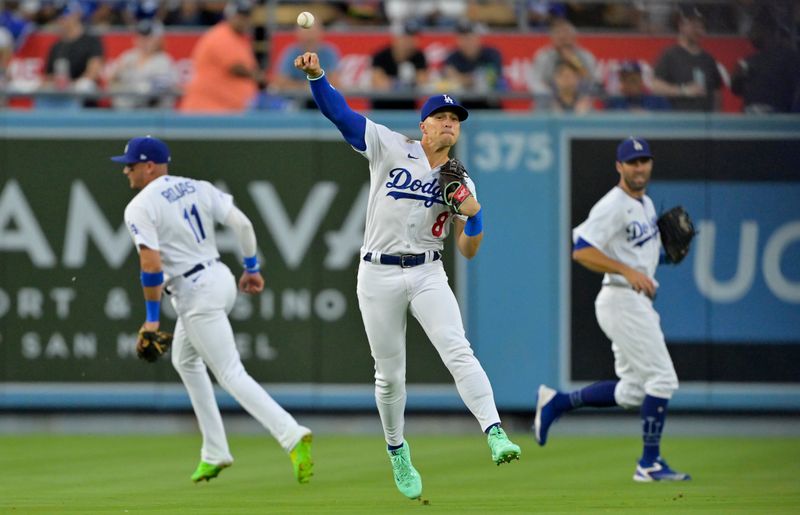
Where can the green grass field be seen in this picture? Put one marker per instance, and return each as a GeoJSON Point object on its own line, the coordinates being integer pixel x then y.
{"type": "Point", "coordinates": [150, 474]}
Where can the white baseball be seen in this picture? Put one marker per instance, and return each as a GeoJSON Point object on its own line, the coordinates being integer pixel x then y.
{"type": "Point", "coordinates": [305, 19]}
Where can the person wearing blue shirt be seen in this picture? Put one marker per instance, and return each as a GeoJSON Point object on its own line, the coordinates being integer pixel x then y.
{"type": "Point", "coordinates": [475, 68]}
{"type": "Point", "coordinates": [633, 95]}
{"type": "Point", "coordinates": [290, 79]}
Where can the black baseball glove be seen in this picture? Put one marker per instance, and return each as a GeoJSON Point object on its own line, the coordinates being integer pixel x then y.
{"type": "Point", "coordinates": [453, 183]}
{"type": "Point", "coordinates": [677, 231]}
{"type": "Point", "coordinates": [151, 345]}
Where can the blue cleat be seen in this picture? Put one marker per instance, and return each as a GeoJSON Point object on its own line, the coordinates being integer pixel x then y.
{"type": "Point", "coordinates": [546, 413]}
{"type": "Point", "coordinates": [658, 471]}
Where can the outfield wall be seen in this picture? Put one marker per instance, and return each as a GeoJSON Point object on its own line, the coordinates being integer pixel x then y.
{"type": "Point", "coordinates": [70, 301]}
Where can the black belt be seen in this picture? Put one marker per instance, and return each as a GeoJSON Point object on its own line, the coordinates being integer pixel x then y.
{"type": "Point", "coordinates": [629, 287]}
{"type": "Point", "coordinates": [196, 268]}
{"type": "Point", "coordinates": [404, 260]}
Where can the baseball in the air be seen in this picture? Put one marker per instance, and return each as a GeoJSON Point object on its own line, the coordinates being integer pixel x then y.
{"type": "Point", "coordinates": [305, 19]}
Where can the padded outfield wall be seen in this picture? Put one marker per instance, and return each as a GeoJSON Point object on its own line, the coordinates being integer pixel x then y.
{"type": "Point", "coordinates": [70, 301]}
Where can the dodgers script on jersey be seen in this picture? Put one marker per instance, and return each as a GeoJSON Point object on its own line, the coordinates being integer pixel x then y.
{"type": "Point", "coordinates": [624, 229]}
{"type": "Point", "coordinates": [405, 213]}
{"type": "Point", "coordinates": [176, 216]}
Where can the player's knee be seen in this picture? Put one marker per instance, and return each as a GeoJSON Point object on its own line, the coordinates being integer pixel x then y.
{"type": "Point", "coordinates": [228, 376]}
{"type": "Point", "coordinates": [389, 392]}
{"type": "Point", "coordinates": [629, 395]}
{"type": "Point", "coordinates": [390, 379]}
{"type": "Point", "coordinates": [663, 385]}
{"type": "Point", "coordinates": [182, 363]}
{"type": "Point", "coordinates": [453, 348]}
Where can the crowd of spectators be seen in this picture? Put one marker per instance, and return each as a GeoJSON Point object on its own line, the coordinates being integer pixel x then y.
{"type": "Point", "coordinates": [229, 74]}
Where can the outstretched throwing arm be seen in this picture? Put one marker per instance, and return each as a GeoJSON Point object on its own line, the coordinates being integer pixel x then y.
{"type": "Point", "coordinates": [351, 124]}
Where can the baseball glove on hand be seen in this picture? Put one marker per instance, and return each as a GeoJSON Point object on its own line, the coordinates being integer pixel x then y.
{"type": "Point", "coordinates": [150, 345]}
{"type": "Point", "coordinates": [452, 179]}
{"type": "Point", "coordinates": [677, 231]}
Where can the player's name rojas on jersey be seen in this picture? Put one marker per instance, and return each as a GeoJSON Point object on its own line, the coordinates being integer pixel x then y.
{"type": "Point", "coordinates": [402, 182]}
{"type": "Point", "coordinates": [175, 192]}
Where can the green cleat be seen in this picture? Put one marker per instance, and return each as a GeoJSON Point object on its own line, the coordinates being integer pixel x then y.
{"type": "Point", "coordinates": [301, 460]}
{"type": "Point", "coordinates": [207, 471]}
{"type": "Point", "coordinates": [406, 476]}
{"type": "Point", "coordinates": [503, 449]}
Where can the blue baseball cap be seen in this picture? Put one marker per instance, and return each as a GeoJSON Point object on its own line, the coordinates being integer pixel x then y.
{"type": "Point", "coordinates": [141, 150]}
{"type": "Point", "coordinates": [632, 148]}
{"type": "Point", "coordinates": [443, 102]}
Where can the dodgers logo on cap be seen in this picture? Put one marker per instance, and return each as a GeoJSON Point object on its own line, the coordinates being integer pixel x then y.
{"type": "Point", "coordinates": [141, 150]}
{"type": "Point", "coordinates": [443, 102]}
{"type": "Point", "coordinates": [633, 148]}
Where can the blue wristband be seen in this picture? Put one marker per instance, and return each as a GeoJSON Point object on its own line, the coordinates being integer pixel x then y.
{"type": "Point", "coordinates": [152, 278]}
{"type": "Point", "coordinates": [474, 225]}
{"type": "Point", "coordinates": [251, 264]}
{"type": "Point", "coordinates": [153, 308]}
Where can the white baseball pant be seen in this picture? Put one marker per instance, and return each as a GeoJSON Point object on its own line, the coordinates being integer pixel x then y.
{"type": "Point", "coordinates": [641, 359]}
{"type": "Point", "coordinates": [385, 294]}
{"type": "Point", "coordinates": [204, 337]}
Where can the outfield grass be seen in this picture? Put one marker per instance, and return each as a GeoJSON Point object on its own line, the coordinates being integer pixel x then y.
{"type": "Point", "coordinates": [150, 474]}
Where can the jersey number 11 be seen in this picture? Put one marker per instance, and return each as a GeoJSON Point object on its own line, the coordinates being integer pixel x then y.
{"type": "Point", "coordinates": [198, 231]}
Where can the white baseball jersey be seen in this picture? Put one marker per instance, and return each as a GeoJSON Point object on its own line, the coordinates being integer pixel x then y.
{"type": "Point", "coordinates": [405, 212]}
{"type": "Point", "coordinates": [176, 216]}
{"type": "Point", "coordinates": [624, 229]}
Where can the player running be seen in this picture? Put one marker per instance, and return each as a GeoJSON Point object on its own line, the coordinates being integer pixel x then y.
{"type": "Point", "coordinates": [171, 221]}
{"type": "Point", "coordinates": [401, 268]}
{"type": "Point", "coordinates": [621, 239]}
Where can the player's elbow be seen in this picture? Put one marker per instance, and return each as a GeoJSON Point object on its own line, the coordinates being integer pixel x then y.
{"type": "Point", "coordinates": [468, 251]}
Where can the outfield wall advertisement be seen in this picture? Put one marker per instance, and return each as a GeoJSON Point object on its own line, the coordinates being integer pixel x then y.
{"type": "Point", "coordinates": [70, 301]}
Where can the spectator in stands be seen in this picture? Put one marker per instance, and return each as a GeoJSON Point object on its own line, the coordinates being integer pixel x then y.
{"type": "Point", "coordinates": [364, 12]}
{"type": "Point", "coordinates": [567, 94]}
{"type": "Point", "coordinates": [6, 52]}
{"type": "Point", "coordinates": [655, 16]}
{"type": "Point", "coordinates": [226, 76]}
{"type": "Point", "coordinates": [17, 20]}
{"type": "Point", "coordinates": [401, 67]}
{"type": "Point", "coordinates": [686, 73]}
{"type": "Point", "coordinates": [74, 62]}
{"type": "Point", "coordinates": [185, 12]}
{"type": "Point", "coordinates": [137, 10]}
{"type": "Point", "coordinates": [540, 13]}
{"type": "Point", "coordinates": [145, 70]}
{"type": "Point", "coordinates": [769, 80]}
{"type": "Point", "coordinates": [474, 68]}
{"type": "Point", "coordinates": [563, 47]}
{"type": "Point", "coordinates": [290, 79]}
{"type": "Point", "coordinates": [195, 12]}
{"type": "Point", "coordinates": [633, 96]}
{"type": "Point", "coordinates": [426, 13]}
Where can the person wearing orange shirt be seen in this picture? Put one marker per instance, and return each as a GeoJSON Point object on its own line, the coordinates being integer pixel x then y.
{"type": "Point", "coordinates": [226, 76]}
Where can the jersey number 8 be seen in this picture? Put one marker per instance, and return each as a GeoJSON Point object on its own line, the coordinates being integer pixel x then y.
{"type": "Point", "coordinates": [438, 226]}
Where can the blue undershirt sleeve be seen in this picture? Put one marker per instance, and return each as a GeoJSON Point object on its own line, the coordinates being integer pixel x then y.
{"type": "Point", "coordinates": [351, 124]}
{"type": "Point", "coordinates": [581, 243]}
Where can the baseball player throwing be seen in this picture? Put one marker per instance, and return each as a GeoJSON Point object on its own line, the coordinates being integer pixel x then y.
{"type": "Point", "coordinates": [171, 221]}
{"type": "Point", "coordinates": [400, 269]}
{"type": "Point", "coordinates": [621, 240]}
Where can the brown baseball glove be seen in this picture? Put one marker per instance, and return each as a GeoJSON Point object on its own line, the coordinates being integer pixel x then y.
{"type": "Point", "coordinates": [151, 345]}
